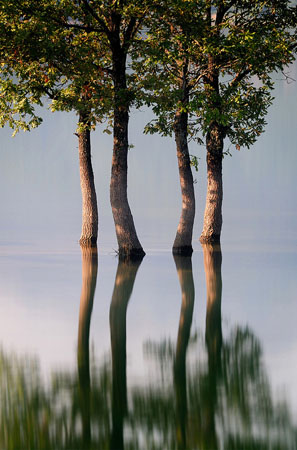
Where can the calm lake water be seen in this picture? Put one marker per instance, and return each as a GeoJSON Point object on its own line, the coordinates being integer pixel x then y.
{"type": "Point", "coordinates": [196, 353]}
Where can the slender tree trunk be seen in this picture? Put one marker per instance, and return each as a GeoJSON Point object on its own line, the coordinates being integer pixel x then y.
{"type": "Point", "coordinates": [89, 199]}
{"type": "Point", "coordinates": [183, 240]}
{"type": "Point", "coordinates": [129, 245]}
{"type": "Point", "coordinates": [123, 286]}
{"type": "Point", "coordinates": [184, 270]}
{"type": "Point", "coordinates": [89, 277]}
{"type": "Point", "coordinates": [212, 225]}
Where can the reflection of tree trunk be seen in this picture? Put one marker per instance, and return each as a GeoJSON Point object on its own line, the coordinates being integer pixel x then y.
{"type": "Point", "coordinates": [89, 277]}
{"type": "Point", "coordinates": [212, 265]}
{"type": "Point", "coordinates": [123, 287]}
{"type": "Point", "coordinates": [213, 337]}
{"type": "Point", "coordinates": [184, 270]}
{"type": "Point", "coordinates": [129, 245]}
{"type": "Point", "coordinates": [183, 240]}
{"type": "Point", "coordinates": [89, 200]}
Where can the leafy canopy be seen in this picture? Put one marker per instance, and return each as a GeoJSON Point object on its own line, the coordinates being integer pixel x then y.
{"type": "Point", "coordinates": [63, 51]}
{"type": "Point", "coordinates": [219, 56]}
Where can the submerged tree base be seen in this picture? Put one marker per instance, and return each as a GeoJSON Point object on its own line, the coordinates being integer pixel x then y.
{"type": "Point", "coordinates": [88, 241]}
{"type": "Point", "coordinates": [185, 250]}
{"type": "Point", "coordinates": [130, 254]}
{"type": "Point", "coordinates": [211, 239]}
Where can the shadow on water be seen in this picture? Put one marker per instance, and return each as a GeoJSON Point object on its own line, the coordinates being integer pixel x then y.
{"type": "Point", "coordinates": [205, 393]}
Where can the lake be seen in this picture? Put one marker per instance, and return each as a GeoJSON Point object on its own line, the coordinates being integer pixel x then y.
{"type": "Point", "coordinates": [196, 353]}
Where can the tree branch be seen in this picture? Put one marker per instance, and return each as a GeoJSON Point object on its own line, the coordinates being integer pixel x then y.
{"type": "Point", "coordinates": [128, 32]}
{"type": "Point", "coordinates": [77, 26]}
{"type": "Point", "coordinates": [236, 80]}
{"type": "Point", "coordinates": [98, 19]}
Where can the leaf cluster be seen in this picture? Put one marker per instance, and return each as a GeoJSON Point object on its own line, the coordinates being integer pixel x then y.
{"type": "Point", "coordinates": [210, 59]}
{"type": "Point", "coordinates": [214, 60]}
{"type": "Point", "coordinates": [63, 51]}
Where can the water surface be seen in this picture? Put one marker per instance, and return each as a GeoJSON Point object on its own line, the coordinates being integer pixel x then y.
{"type": "Point", "coordinates": [169, 353]}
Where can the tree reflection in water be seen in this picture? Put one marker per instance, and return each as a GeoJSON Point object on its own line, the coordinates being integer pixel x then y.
{"type": "Point", "coordinates": [89, 278]}
{"type": "Point", "coordinates": [123, 287]}
{"type": "Point", "coordinates": [213, 339]}
{"type": "Point", "coordinates": [218, 400]}
{"type": "Point", "coordinates": [227, 400]}
{"type": "Point", "coordinates": [185, 275]}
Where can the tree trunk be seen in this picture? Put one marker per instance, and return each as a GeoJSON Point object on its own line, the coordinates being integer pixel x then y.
{"type": "Point", "coordinates": [184, 270]}
{"type": "Point", "coordinates": [129, 245]}
{"type": "Point", "coordinates": [89, 277]}
{"type": "Point", "coordinates": [89, 199]}
{"type": "Point", "coordinates": [183, 240]}
{"type": "Point", "coordinates": [123, 286]}
{"type": "Point", "coordinates": [212, 225]}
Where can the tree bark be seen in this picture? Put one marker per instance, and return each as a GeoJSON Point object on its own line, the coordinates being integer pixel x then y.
{"type": "Point", "coordinates": [89, 231]}
{"type": "Point", "coordinates": [212, 225]}
{"type": "Point", "coordinates": [183, 239]}
{"type": "Point", "coordinates": [89, 278]}
{"type": "Point", "coordinates": [129, 245]}
{"type": "Point", "coordinates": [123, 286]}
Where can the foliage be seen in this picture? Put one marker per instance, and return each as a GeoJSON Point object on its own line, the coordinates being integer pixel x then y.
{"type": "Point", "coordinates": [66, 51]}
{"type": "Point", "coordinates": [62, 50]}
{"type": "Point", "coordinates": [222, 55]}
{"type": "Point", "coordinates": [195, 162]}
{"type": "Point", "coordinates": [16, 105]}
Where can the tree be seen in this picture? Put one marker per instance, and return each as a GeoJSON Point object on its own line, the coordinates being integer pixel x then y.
{"type": "Point", "coordinates": [211, 62]}
{"type": "Point", "coordinates": [168, 78]}
{"type": "Point", "coordinates": [242, 45]}
{"type": "Point", "coordinates": [100, 36]}
{"type": "Point", "coordinates": [118, 23]}
{"type": "Point", "coordinates": [40, 60]}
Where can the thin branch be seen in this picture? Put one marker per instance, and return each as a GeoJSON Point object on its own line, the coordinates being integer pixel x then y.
{"type": "Point", "coordinates": [239, 77]}
{"type": "Point", "coordinates": [236, 80]}
{"type": "Point", "coordinates": [195, 81]}
{"type": "Point", "coordinates": [228, 6]}
{"type": "Point", "coordinates": [63, 23]}
{"type": "Point", "coordinates": [140, 20]}
{"type": "Point", "coordinates": [77, 26]}
{"type": "Point", "coordinates": [133, 28]}
{"type": "Point", "coordinates": [93, 13]}
{"type": "Point", "coordinates": [208, 15]}
{"type": "Point", "coordinates": [287, 78]}
{"type": "Point", "coordinates": [128, 32]}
